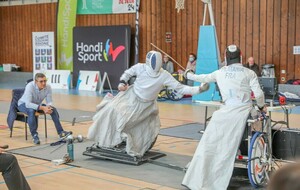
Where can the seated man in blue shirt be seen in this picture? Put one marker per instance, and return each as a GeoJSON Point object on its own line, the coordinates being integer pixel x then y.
{"type": "Point", "coordinates": [31, 101]}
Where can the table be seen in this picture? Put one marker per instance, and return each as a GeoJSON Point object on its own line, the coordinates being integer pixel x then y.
{"type": "Point", "coordinates": [214, 104]}
{"type": "Point", "coordinates": [218, 104]}
{"type": "Point", "coordinates": [284, 108]}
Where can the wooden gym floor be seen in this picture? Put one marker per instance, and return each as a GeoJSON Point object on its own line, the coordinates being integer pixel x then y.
{"type": "Point", "coordinates": [44, 175]}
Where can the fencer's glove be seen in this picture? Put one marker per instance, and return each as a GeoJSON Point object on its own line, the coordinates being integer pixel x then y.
{"type": "Point", "coordinates": [122, 87]}
{"type": "Point", "coordinates": [203, 87]}
{"type": "Point", "coordinates": [263, 109]}
{"type": "Point", "coordinates": [185, 74]}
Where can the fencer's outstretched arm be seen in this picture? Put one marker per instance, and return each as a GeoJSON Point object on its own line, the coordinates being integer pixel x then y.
{"type": "Point", "coordinates": [207, 78]}
{"type": "Point", "coordinates": [172, 83]}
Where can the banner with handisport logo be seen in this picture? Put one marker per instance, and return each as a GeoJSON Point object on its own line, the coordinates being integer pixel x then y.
{"type": "Point", "coordinates": [106, 6]}
{"type": "Point", "coordinates": [101, 48]}
{"type": "Point", "coordinates": [66, 20]}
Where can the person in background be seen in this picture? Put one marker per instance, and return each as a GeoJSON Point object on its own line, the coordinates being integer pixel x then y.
{"type": "Point", "coordinates": [11, 172]}
{"type": "Point", "coordinates": [191, 65]}
{"type": "Point", "coordinates": [32, 101]}
{"type": "Point", "coordinates": [253, 66]}
{"type": "Point", "coordinates": [168, 64]}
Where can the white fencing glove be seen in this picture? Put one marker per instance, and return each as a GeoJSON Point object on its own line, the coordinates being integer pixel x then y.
{"type": "Point", "coordinates": [203, 87]}
{"type": "Point", "coordinates": [122, 87]}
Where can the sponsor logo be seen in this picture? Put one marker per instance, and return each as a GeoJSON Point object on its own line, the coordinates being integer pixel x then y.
{"type": "Point", "coordinates": [42, 41]}
{"type": "Point", "coordinates": [97, 52]}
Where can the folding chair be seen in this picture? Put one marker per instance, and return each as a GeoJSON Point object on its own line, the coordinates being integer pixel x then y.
{"type": "Point", "coordinates": [15, 114]}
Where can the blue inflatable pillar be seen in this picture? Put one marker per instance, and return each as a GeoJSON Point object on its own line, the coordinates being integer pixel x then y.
{"type": "Point", "coordinates": [207, 61]}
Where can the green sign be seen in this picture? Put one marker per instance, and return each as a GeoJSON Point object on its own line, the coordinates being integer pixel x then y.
{"type": "Point", "coordinates": [66, 20]}
{"type": "Point", "coordinates": [106, 6]}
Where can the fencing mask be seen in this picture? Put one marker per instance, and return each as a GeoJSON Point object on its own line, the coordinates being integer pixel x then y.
{"type": "Point", "coordinates": [153, 63]}
{"type": "Point", "coordinates": [233, 55]}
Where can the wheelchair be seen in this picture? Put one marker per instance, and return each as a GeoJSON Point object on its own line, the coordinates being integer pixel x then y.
{"type": "Point", "coordinates": [171, 94]}
{"type": "Point", "coordinates": [255, 151]}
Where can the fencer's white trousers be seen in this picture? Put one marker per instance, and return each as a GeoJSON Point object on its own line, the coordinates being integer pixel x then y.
{"type": "Point", "coordinates": [213, 162]}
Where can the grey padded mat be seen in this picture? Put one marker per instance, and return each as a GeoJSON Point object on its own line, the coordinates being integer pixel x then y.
{"type": "Point", "coordinates": [146, 172]}
{"type": "Point", "coordinates": [189, 131]}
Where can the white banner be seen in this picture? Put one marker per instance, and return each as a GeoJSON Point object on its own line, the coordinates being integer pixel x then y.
{"type": "Point", "coordinates": [58, 79]}
{"type": "Point", "coordinates": [43, 51]}
{"type": "Point", "coordinates": [88, 80]}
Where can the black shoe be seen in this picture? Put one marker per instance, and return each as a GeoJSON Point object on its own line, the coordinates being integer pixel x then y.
{"type": "Point", "coordinates": [36, 139]}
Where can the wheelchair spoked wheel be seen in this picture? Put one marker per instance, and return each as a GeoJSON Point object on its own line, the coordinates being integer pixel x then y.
{"type": "Point", "coordinates": [258, 156]}
{"type": "Point", "coordinates": [173, 95]}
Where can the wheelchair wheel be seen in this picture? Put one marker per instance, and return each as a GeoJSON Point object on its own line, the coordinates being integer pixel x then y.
{"type": "Point", "coordinates": [258, 160]}
{"type": "Point", "coordinates": [173, 95]}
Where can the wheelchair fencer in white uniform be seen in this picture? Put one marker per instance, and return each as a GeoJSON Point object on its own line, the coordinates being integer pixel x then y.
{"type": "Point", "coordinates": [213, 162]}
{"type": "Point", "coordinates": [131, 117]}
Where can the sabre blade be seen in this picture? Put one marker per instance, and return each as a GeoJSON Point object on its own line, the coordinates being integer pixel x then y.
{"type": "Point", "coordinates": [168, 56]}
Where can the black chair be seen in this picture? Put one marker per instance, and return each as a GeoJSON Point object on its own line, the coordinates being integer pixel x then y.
{"type": "Point", "coordinates": [15, 114]}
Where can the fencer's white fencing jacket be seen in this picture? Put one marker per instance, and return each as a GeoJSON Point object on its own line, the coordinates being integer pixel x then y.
{"type": "Point", "coordinates": [235, 82]}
